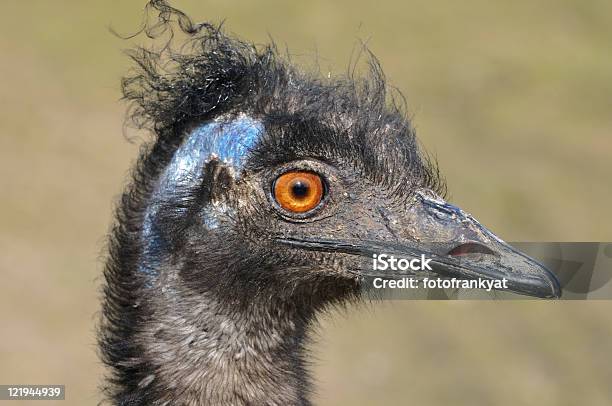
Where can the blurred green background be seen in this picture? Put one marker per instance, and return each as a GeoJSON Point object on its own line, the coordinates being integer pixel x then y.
{"type": "Point", "coordinates": [514, 99]}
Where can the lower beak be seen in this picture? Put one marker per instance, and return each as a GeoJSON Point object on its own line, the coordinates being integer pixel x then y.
{"type": "Point", "coordinates": [455, 245]}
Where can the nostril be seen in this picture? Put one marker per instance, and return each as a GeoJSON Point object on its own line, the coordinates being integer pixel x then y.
{"type": "Point", "coordinates": [470, 248]}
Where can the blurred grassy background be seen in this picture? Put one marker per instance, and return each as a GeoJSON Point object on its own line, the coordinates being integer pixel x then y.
{"type": "Point", "coordinates": [514, 98]}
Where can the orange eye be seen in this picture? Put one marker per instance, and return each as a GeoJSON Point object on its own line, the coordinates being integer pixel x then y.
{"type": "Point", "coordinates": [298, 192]}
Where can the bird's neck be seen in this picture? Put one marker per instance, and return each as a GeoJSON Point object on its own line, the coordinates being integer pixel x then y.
{"type": "Point", "coordinates": [202, 351]}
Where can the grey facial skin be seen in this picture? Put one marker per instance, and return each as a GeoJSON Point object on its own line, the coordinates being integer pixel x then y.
{"type": "Point", "coordinates": [459, 246]}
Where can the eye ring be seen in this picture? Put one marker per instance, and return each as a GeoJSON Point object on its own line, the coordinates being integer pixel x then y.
{"type": "Point", "coordinates": [298, 192]}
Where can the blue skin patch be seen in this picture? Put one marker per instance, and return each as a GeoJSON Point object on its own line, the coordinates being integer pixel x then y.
{"type": "Point", "coordinates": [230, 142]}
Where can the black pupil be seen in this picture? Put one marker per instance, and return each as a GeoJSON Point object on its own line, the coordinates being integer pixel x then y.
{"type": "Point", "coordinates": [300, 189]}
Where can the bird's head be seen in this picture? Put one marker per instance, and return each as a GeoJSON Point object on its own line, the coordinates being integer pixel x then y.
{"type": "Point", "coordinates": [264, 179]}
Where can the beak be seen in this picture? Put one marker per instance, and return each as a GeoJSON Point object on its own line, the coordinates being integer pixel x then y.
{"type": "Point", "coordinates": [457, 245]}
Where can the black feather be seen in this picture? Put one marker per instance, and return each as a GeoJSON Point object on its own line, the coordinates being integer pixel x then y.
{"type": "Point", "coordinates": [165, 340]}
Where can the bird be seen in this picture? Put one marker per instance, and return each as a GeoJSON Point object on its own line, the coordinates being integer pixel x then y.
{"type": "Point", "coordinates": [257, 205]}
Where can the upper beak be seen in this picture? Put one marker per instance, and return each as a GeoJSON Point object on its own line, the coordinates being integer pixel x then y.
{"type": "Point", "coordinates": [458, 246]}
{"type": "Point", "coordinates": [463, 248]}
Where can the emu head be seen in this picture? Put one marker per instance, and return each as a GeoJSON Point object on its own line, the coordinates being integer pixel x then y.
{"type": "Point", "coordinates": [264, 180]}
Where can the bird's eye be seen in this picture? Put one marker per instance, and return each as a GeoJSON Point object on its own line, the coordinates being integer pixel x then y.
{"type": "Point", "coordinates": [298, 191]}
